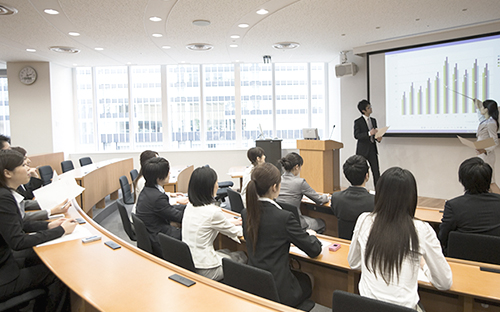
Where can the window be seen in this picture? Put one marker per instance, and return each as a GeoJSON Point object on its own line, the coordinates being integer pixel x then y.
{"type": "Point", "coordinates": [85, 107]}
{"type": "Point", "coordinates": [4, 107]}
{"type": "Point", "coordinates": [318, 90]}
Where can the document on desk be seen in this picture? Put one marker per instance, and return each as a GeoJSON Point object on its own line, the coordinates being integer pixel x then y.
{"type": "Point", "coordinates": [296, 249]}
{"type": "Point", "coordinates": [79, 233]}
{"type": "Point", "coordinates": [478, 144]}
{"type": "Point", "coordinates": [56, 192]}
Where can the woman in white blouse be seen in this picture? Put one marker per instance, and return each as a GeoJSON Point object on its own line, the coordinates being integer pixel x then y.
{"type": "Point", "coordinates": [390, 246]}
{"type": "Point", "coordinates": [203, 221]}
{"type": "Point", "coordinates": [256, 157]}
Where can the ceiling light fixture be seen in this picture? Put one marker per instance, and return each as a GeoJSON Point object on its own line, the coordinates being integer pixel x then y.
{"type": "Point", "coordinates": [199, 47]}
{"type": "Point", "coordinates": [5, 10]}
{"type": "Point", "coordinates": [98, 49]}
{"type": "Point", "coordinates": [157, 35]}
{"type": "Point", "coordinates": [243, 25]}
{"type": "Point", "coordinates": [166, 47]}
{"type": "Point", "coordinates": [155, 19]}
{"type": "Point", "coordinates": [61, 49]}
{"type": "Point", "coordinates": [286, 45]}
{"type": "Point", "coordinates": [201, 22]}
{"type": "Point", "coordinates": [233, 45]}
{"type": "Point", "coordinates": [74, 34]}
{"type": "Point", "coordinates": [235, 36]}
{"type": "Point", "coordinates": [262, 12]}
{"type": "Point", "coordinates": [30, 50]}
{"type": "Point", "coordinates": [51, 11]}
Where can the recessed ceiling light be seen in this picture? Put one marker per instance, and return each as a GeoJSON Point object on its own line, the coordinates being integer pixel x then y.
{"type": "Point", "coordinates": [199, 47]}
{"type": "Point", "coordinates": [237, 61]}
{"type": "Point", "coordinates": [243, 25]}
{"type": "Point", "coordinates": [233, 45]}
{"type": "Point", "coordinates": [286, 45]}
{"type": "Point", "coordinates": [74, 34]}
{"type": "Point", "coordinates": [183, 62]}
{"type": "Point", "coordinates": [61, 49]}
{"type": "Point", "coordinates": [51, 11]}
{"type": "Point", "coordinates": [75, 64]}
{"type": "Point", "coordinates": [98, 49]}
{"type": "Point", "coordinates": [201, 22]}
{"type": "Point", "coordinates": [157, 35]}
{"type": "Point", "coordinates": [262, 12]}
{"type": "Point", "coordinates": [155, 18]}
{"type": "Point", "coordinates": [128, 63]}
{"type": "Point", "coordinates": [166, 47]}
{"type": "Point", "coordinates": [30, 50]}
{"type": "Point", "coordinates": [5, 10]}
{"type": "Point", "coordinates": [235, 36]}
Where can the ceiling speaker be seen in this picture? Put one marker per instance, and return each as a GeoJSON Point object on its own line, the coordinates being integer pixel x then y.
{"type": "Point", "coordinates": [346, 69]}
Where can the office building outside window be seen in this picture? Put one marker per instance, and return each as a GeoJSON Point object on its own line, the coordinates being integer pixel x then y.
{"type": "Point", "coordinates": [318, 102]}
{"type": "Point", "coordinates": [85, 108]}
{"type": "Point", "coordinates": [4, 107]}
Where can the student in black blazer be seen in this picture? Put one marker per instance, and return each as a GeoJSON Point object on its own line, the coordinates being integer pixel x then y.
{"type": "Point", "coordinates": [478, 210]}
{"type": "Point", "coordinates": [269, 230]}
{"type": "Point", "coordinates": [20, 267]}
{"type": "Point", "coordinates": [365, 134]}
{"type": "Point", "coordinates": [153, 204]}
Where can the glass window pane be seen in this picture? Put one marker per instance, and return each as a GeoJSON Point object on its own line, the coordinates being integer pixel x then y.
{"type": "Point", "coordinates": [84, 95]}
{"type": "Point", "coordinates": [4, 107]}
{"type": "Point", "coordinates": [318, 98]}
{"type": "Point", "coordinates": [183, 89]}
{"type": "Point", "coordinates": [256, 102]}
{"type": "Point", "coordinates": [218, 91]}
{"type": "Point", "coordinates": [146, 99]}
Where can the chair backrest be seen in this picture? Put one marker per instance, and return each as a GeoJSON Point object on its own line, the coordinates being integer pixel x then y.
{"type": "Point", "coordinates": [142, 234]}
{"type": "Point", "coordinates": [176, 252]}
{"type": "Point", "coordinates": [15, 302]}
{"type": "Point", "coordinates": [126, 190]}
{"type": "Point", "coordinates": [46, 174]}
{"type": "Point", "coordinates": [85, 161]}
{"type": "Point", "coordinates": [67, 165]}
{"type": "Point", "coordinates": [345, 228]}
{"type": "Point", "coordinates": [183, 179]}
{"type": "Point", "coordinates": [127, 225]}
{"type": "Point", "coordinates": [347, 302]}
{"type": "Point", "coordinates": [474, 247]}
{"type": "Point", "coordinates": [134, 174]}
{"type": "Point", "coordinates": [250, 279]}
{"type": "Point", "coordinates": [235, 200]}
{"type": "Point", "coordinates": [290, 208]}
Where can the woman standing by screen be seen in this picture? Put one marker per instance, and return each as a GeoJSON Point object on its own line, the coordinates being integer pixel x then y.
{"type": "Point", "coordinates": [488, 128]}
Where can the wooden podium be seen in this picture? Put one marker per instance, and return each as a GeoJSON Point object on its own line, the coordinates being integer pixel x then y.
{"type": "Point", "coordinates": [321, 167]}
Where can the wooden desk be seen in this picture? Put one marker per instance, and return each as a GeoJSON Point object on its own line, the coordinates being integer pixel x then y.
{"type": "Point", "coordinates": [52, 159]}
{"type": "Point", "coordinates": [179, 179]}
{"type": "Point", "coordinates": [100, 180]}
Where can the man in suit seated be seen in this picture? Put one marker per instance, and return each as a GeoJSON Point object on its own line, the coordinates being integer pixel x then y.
{"type": "Point", "coordinates": [350, 203]}
{"type": "Point", "coordinates": [478, 210]}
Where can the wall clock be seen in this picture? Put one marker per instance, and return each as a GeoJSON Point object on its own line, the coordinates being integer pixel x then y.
{"type": "Point", "coordinates": [27, 75]}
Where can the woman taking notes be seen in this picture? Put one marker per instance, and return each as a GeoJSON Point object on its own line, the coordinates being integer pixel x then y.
{"type": "Point", "coordinates": [269, 230]}
{"type": "Point", "coordinates": [203, 221]}
{"type": "Point", "coordinates": [20, 267]}
{"type": "Point", "coordinates": [389, 245]}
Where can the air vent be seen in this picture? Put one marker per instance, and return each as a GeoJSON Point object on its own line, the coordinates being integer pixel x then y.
{"type": "Point", "coordinates": [199, 47]}
{"type": "Point", "coordinates": [5, 10]}
{"type": "Point", "coordinates": [286, 45]}
{"type": "Point", "coordinates": [64, 49]}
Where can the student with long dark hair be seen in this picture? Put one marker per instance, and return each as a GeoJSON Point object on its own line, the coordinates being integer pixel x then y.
{"type": "Point", "coordinates": [140, 181]}
{"type": "Point", "coordinates": [293, 188]}
{"type": "Point", "coordinates": [256, 156]}
{"type": "Point", "coordinates": [269, 230]}
{"type": "Point", "coordinates": [20, 267]}
{"type": "Point", "coordinates": [389, 244]}
{"type": "Point", "coordinates": [203, 221]}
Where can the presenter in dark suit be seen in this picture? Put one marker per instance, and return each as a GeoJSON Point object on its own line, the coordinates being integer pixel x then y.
{"type": "Point", "coordinates": [153, 204]}
{"type": "Point", "coordinates": [20, 267]}
{"type": "Point", "coordinates": [478, 210]}
{"type": "Point", "coordinates": [269, 230]}
{"type": "Point", "coordinates": [348, 204]}
{"type": "Point", "coordinates": [365, 128]}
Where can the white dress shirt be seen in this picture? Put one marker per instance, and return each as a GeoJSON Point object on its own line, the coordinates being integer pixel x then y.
{"type": "Point", "coordinates": [247, 176]}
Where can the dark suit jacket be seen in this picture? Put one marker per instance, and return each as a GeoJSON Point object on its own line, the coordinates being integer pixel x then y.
{"type": "Point", "coordinates": [154, 209]}
{"type": "Point", "coordinates": [13, 235]}
{"type": "Point", "coordinates": [471, 213]}
{"type": "Point", "coordinates": [348, 205]}
{"type": "Point", "coordinates": [27, 189]}
{"type": "Point", "coordinates": [278, 228]}
{"type": "Point", "coordinates": [361, 134]}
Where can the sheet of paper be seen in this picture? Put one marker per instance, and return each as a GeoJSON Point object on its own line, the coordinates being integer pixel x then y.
{"type": "Point", "coordinates": [57, 192]}
{"type": "Point", "coordinates": [79, 233]}
{"type": "Point", "coordinates": [478, 144]}
{"type": "Point", "coordinates": [381, 132]}
{"type": "Point", "coordinates": [296, 249]}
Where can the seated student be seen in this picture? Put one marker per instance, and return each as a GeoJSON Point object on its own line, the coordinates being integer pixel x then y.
{"type": "Point", "coordinates": [20, 267]}
{"type": "Point", "coordinates": [203, 221]}
{"type": "Point", "coordinates": [348, 204]}
{"type": "Point", "coordinates": [388, 244]}
{"type": "Point", "coordinates": [293, 188]}
{"type": "Point", "coordinates": [477, 211]}
{"type": "Point", "coordinates": [153, 204]}
{"type": "Point", "coordinates": [256, 157]}
{"type": "Point", "coordinates": [4, 142]}
{"type": "Point", "coordinates": [34, 183]}
{"type": "Point", "coordinates": [268, 232]}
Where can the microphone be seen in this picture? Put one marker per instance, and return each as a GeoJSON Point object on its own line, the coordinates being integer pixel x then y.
{"type": "Point", "coordinates": [331, 133]}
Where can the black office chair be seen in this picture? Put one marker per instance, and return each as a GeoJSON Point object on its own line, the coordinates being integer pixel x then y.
{"type": "Point", "coordinates": [142, 235]}
{"type": "Point", "coordinates": [46, 174]}
{"type": "Point", "coordinates": [255, 281]}
{"type": "Point", "coordinates": [235, 200]}
{"type": "Point", "coordinates": [126, 191]}
{"type": "Point", "coordinates": [347, 302]}
{"type": "Point", "coordinates": [67, 165]}
{"type": "Point", "coordinates": [134, 174]}
{"type": "Point", "coordinates": [474, 247]}
{"type": "Point", "coordinates": [85, 161]}
{"type": "Point", "coordinates": [127, 225]}
{"type": "Point", "coordinates": [176, 252]}
{"type": "Point", "coordinates": [20, 301]}
{"type": "Point", "coordinates": [345, 228]}
{"type": "Point", "coordinates": [291, 208]}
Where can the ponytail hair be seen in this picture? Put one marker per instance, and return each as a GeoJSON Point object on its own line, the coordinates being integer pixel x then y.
{"type": "Point", "coordinates": [263, 177]}
{"type": "Point", "coordinates": [291, 160]}
{"type": "Point", "coordinates": [492, 108]}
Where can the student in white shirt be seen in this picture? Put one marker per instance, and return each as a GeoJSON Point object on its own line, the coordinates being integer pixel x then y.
{"type": "Point", "coordinates": [203, 221]}
{"type": "Point", "coordinates": [390, 246]}
{"type": "Point", "coordinates": [256, 157]}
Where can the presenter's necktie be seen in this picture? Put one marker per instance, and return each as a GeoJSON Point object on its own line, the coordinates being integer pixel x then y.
{"type": "Point", "coordinates": [370, 127]}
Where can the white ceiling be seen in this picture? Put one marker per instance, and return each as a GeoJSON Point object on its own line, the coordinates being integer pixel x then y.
{"type": "Point", "coordinates": [122, 27]}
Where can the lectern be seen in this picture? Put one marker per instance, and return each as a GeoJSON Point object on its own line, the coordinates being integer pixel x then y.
{"type": "Point", "coordinates": [321, 167]}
